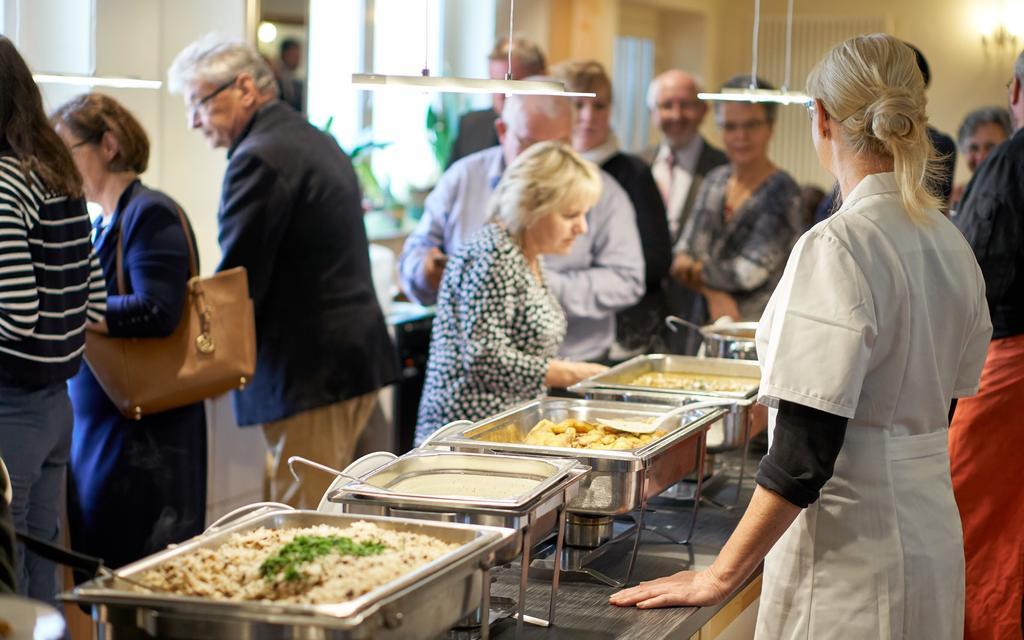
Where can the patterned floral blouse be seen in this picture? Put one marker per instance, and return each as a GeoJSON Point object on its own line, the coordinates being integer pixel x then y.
{"type": "Point", "coordinates": [496, 329]}
{"type": "Point", "coordinates": [744, 256]}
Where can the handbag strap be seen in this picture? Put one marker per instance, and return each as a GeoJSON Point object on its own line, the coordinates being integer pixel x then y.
{"type": "Point", "coordinates": [193, 263]}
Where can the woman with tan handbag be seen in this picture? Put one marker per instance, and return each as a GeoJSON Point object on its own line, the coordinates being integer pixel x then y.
{"type": "Point", "coordinates": [136, 485]}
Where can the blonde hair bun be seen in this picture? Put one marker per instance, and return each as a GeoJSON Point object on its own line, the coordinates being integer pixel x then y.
{"type": "Point", "coordinates": [890, 119]}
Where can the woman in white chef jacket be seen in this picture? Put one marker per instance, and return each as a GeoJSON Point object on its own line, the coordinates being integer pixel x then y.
{"type": "Point", "coordinates": [879, 321]}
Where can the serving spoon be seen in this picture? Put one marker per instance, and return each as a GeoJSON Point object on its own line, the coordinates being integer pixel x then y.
{"type": "Point", "coordinates": [643, 428]}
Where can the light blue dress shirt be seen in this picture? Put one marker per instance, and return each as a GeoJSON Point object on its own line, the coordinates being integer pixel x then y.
{"type": "Point", "coordinates": [603, 274]}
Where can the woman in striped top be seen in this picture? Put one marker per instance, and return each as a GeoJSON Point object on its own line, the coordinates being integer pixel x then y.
{"type": "Point", "coordinates": [50, 284]}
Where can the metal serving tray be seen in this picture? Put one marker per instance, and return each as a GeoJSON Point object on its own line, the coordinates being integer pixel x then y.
{"type": "Point", "coordinates": [378, 484]}
{"type": "Point", "coordinates": [532, 516]}
{"type": "Point", "coordinates": [619, 481]}
{"type": "Point", "coordinates": [620, 376]}
{"type": "Point", "coordinates": [420, 605]}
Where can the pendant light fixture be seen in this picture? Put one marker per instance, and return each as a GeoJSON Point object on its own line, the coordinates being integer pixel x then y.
{"type": "Point", "coordinates": [442, 84]}
{"type": "Point", "coordinates": [753, 93]}
{"type": "Point", "coordinates": [96, 81]}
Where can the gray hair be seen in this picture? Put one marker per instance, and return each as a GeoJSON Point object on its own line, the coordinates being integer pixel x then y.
{"type": "Point", "coordinates": [547, 178]}
{"type": "Point", "coordinates": [1018, 68]}
{"type": "Point", "coordinates": [552, 107]}
{"type": "Point", "coordinates": [655, 84]}
{"type": "Point", "coordinates": [216, 59]}
{"type": "Point", "coordinates": [985, 115]}
{"type": "Point", "coordinates": [525, 51]}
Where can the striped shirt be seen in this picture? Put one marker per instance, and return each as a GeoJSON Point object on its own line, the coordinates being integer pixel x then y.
{"type": "Point", "coordinates": [50, 280]}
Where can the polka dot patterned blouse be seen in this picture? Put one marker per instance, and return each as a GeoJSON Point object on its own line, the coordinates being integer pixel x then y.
{"type": "Point", "coordinates": [495, 331]}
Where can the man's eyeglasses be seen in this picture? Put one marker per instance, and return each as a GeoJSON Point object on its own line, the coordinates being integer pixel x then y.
{"type": "Point", "coordinates": [811, 108]}
{"type": "Point", "coordinates": [205, 100]}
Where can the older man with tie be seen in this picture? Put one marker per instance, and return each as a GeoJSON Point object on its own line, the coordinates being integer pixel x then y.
{"type": "Point", "coordinates": [679, 163]}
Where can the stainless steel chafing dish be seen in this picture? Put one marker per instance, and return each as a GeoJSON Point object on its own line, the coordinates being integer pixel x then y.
{"type": "Point", "coordinates": [745, 417]}
{"type": "Point", "coordinates": [741, 422]}
{"type": "Point", "coordinates": [734, 340]}
{"type": "Point", "coordinates": [532, 514]}
{"type": "Point", "coordinates": [620, 481]}
{"type": "Point", "coordinates": [420, 605]}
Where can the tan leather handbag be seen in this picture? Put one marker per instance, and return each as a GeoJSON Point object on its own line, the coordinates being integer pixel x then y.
{"type": "Point", "coordinates": [212, 350]}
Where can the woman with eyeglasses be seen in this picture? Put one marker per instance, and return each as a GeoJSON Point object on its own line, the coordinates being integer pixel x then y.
{"type": "Point", "coordinates": [745, 219]}
{"type": "Point", "coordinates": [879, 321]}
{"type": "Point", "coordinates": [135, 485]}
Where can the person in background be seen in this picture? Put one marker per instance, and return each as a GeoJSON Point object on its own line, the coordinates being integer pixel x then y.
{"type": "Point", "coordinates": [982, 131]}
{"type": "Point", "coordinates": [604, 272]}
{"type": "Point", "coordinates": [135, 486]}
{"type": "Point", "coordinates": [986, 437]}
{"type": "Point", "coordinates": [746, 217]}
{"type": "Point", "coordinates": [292, 90]}
{"type": "Point", "coordinates": [942, 182]}
{"type": "Point", "coordinates": [853, 515]}
{"type": "Point", "coordinates": [679, 164]}
{"type": "Point", "coordinates": [51, 283]}
{"type": "Point", "coordinates": [498, 327]}
{"type": "Point", "coordinates": [811, 198]}
{"type": "Point", "coordinates": [291, 214]}
{"type": "Point", "coordinates": [638, 328]}
{"type": "Point", "coordinates": [477, 128]}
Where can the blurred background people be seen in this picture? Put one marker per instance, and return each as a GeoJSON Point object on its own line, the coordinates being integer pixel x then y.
{"type": "Point", "coordinates": [291, 214]}
{"type": "Point", "coordinates": [498, 327]}
{"type": "Point", "coordinates": [746, 217]}
{"type": "Point", "coordinates": [986, 437]}
{"type": "Point", "coordinates": [981, 131]}
{"type": "Point", "coordinates": [604, 272]}
{"type": "Point", "coordinates": [292, 89]}
{"type": "Point", "coordinates": [679, 164]}
{"type": "Point", "coordinates": [135, 485]}
{"type": "Point", "coordinates": [476, 129]}
{"type": "Point", "coordinates": [637, 328]}
{"type": "Point", "coordinates": [50, 284]}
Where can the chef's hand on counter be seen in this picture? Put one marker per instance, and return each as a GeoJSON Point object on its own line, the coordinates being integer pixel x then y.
{"type": "Point", "coordinates": [763, 523]}
{"type": "Point", "coordinates": [433, 267]}
{"type": "Point", "coordinates": [565, 373]}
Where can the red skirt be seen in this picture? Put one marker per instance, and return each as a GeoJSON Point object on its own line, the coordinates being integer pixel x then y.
{"type": "Point", "coordinates": [986, 450]}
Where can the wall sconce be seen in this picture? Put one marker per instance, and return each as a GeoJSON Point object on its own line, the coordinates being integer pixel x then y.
{"type": "Point", "coordinates": [1002, 26]}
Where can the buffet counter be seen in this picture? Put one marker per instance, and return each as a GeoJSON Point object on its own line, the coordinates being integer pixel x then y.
{"type": "Point", "coordinates": [583, 609]}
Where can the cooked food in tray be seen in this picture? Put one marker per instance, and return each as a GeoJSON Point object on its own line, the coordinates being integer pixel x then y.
{"type": "Point", "coordinates": [577, 434]}
{"type": "Point", "coordinates": [312, 565]}
{"type": "Point", "coordinates": [694, 382]}
{"type": "Point", "coordinates": [466, 485]}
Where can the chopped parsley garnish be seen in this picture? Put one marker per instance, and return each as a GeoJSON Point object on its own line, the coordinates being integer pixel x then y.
{"type": "Point", "coordinates": [305, 549]}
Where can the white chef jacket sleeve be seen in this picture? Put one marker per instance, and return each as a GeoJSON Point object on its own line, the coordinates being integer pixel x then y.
{"type": "Point", "coordinates": [823, 328]}
{"type": "Point", "coordinates": [975, 350]}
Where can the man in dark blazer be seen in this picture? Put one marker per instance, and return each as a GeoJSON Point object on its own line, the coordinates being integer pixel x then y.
{"type": "Point", "coordinates": [476, 128]}
{"type": "Point", "coordinates": [679, 163]}
{"type": "Point", "coordinates": [291, 214]}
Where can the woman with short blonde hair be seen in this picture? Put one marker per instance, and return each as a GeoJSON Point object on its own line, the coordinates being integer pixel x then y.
{"type": "Point", "coordinates": [497, 327]}
{"type": "Point", "coordinates": [853, 514]}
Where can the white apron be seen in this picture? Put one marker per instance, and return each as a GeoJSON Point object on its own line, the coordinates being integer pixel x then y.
{"type": "Point", "coordinates": [879, 555]}
{"type": "Point", "coordinates": [881, 321]}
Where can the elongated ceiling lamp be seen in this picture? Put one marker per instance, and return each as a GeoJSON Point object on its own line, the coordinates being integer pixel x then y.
{"type": "Point", "coordinates": [426, 82]}
{"type": "Point", "coordinates": [752, 93]}
{"type": "Point", "coordinates": [96, 81]}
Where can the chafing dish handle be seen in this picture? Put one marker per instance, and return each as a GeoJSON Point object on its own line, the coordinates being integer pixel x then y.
{"type": "Point", "coordinates": [368, 463]}
{"type": "Point", "coordinates": [443, 431]}
{"type": "Point", "coordinates": [246, 512]}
